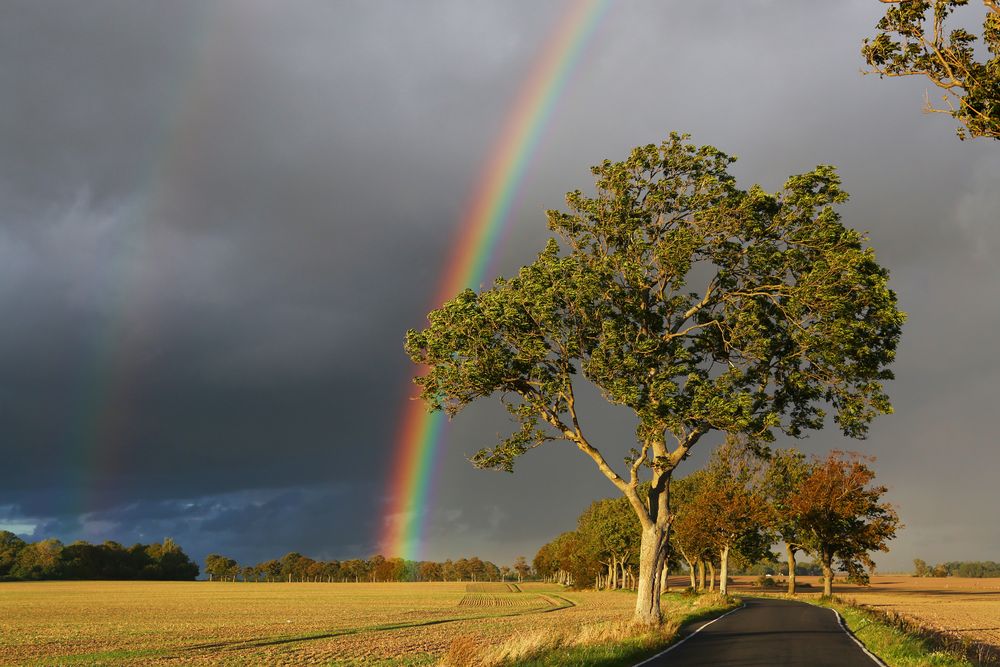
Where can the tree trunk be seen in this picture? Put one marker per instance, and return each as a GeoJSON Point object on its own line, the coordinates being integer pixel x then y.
{"type": "Point", "coordinates": [791, 568]}
{"type": "Point", "coordinates": [724, 571]}
{"type": "Point", "coordinates": [694, 582]}
{"type": "Point", "coordinates": [651, 554]}
{"type": "Point", "coordinates": [711, 576]}
{"type": "Point", "coordinates": [701, 575]}
{"type": "Point", "coordinates": [827, 576]}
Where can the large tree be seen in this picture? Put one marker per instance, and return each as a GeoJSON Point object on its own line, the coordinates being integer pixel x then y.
{"type": "Point", "coordinates": [914, 39]}
{"type": "Point", "coordinates": [839, 514]}
{"type": "Point", "coordinates": [695, 304]}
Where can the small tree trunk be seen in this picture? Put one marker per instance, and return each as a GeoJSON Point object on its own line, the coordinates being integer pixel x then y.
{"type": "Point", "coordinates": [724, 571]}
{"type": "Point", "coordinates": [701, 575]}
{"type": "Point", "coordinates": [691, 573]}
{"type": "Point", "coordinates": [711, 576]}
{"type": "Point", "coordinates": [827, 576]}
{"type": "Point", "coordinates": [791, 568]}
{"type": "Point", "coordinates": [651, 554]}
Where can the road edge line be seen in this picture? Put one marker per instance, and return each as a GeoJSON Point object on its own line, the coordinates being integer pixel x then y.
{"type": "Point", "coordinates": [673, 646]}
{"type": "Point", "coordinates": [847, 631]}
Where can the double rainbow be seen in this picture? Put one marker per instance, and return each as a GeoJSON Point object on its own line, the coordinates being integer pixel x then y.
{"type": "Point", "coordinates": [420, 432]}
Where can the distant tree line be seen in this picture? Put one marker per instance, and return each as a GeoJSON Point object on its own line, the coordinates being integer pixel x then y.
{"type": "Point", "coordinates": [51, 559]}
{"type": "Point", "coordinates": [974, 569]}
{"type": "Point", "coordinates": [729, 515]}
{"type": "Point", "coordinates": [294, 567]}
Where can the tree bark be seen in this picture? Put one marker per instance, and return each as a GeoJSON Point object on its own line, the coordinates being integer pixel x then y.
{"type": "Point", "coordinates": [827, 576]}
{"type": "Point", "coordinates": [724, 571]}
{"type": "Point", "coordinates": [711, 576]}
{"type": "Point", "coordinates": [791, 568]}
{"type": "Point", "coordinates": [652, 551]}
{"type": "Point", "coordinates": [691, 573]}
{"type": "Point", "coordinates": [701, 575]}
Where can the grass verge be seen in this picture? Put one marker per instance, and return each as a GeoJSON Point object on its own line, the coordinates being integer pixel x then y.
{"type": "Point", "coordinates": [616, 644]}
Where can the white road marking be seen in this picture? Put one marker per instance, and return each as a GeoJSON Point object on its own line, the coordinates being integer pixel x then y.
{"type": "Point", "coordinates": [843, 626]}
{"type": "Point", "coordinates": [668, 650]}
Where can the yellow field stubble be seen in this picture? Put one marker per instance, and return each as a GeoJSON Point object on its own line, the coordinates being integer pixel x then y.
{"type": "Point", "coordinates": [274, 623]}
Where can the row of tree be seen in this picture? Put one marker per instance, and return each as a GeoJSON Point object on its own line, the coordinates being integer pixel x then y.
{"type": "Point", "coordinates": [733, 512]}
{"type": "Point", "coordinates": [51, 559]}
{"type": "Point", "coordinates": [296, 567]}
{"type": "Point", "coordinates": [974, 569]}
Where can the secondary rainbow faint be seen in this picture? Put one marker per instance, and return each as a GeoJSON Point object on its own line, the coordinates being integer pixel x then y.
{"type": "Point", "coordinates": [420, 433]}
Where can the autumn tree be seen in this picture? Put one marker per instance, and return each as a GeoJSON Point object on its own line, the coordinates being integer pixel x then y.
{"type": "Point", "coordinates": [786, 471]}
{"type": "Point", "coordinates": [697, 305]}
{"type": "Point", "coordinates": [560, 561]}
{"type": "Point", "coordinates": [220, 567]}
{"type": "Point", "coordinates": [731, 508]}
{"type": "Point", "coordinates": [688, 536]}
{"type": "Point", "coordinates": [915, 39]}
{"type": "Point", "coordinates": [841, 515]}
{"type": "Point", "coordinates": [521, 567]}
{"type": "Point", "coordinates": [430, 571]}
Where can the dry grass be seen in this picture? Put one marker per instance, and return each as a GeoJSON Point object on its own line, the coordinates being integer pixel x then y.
{"type": "Point", "coordinates": [470, 651]}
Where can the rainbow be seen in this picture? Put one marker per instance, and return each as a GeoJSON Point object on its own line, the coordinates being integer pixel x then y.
{"type": "Point", "coordinates": [420, 433]}
{"type": "Point", "coordinates": [104, 424]}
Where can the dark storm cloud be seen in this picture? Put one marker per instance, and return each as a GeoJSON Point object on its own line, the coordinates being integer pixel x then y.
{"type": "Point", "coordinates": [220, 218]}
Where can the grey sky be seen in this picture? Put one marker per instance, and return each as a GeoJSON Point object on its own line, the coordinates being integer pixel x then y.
{"type": "Point", "coordinates": [220, 218]}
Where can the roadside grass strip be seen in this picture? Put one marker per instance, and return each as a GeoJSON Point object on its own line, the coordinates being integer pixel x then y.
{"type": "Point", "coordinates": [611, 644]}
{"type": "Point", "coordinates": [687, 637]}
{"type": "Point", "coordinates": [900, 642]}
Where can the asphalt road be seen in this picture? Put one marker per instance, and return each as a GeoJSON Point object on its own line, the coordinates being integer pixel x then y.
{"type": "Point", "coordinates": [769, 632]}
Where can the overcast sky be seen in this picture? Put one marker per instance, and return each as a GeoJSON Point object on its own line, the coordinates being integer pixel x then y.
{"type": "Point", "coordinates": [219, 219]}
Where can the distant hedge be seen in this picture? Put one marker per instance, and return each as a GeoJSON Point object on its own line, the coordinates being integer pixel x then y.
{"type": "Point", "coordinates": [51, 559]}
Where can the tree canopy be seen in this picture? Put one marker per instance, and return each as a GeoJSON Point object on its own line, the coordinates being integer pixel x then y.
{"type": "Point", "coordinates": [839, 514]}
{"type": "Point", "coordinates": [696, 304]}
{"type": "Point", "coordinates": [51, 559]}
{"type": "Point", "coordinates": [915, 39]}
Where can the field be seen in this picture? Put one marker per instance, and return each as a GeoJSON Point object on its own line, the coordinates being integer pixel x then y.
{"type": "Point", "coordinates": [969, 608]}
{"type": "Point", "coordinates": [292, 624]}
{"type": "Point", "coordinates": [200, 623]}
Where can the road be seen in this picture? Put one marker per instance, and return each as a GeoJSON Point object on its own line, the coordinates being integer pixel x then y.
{"type": "Point", "coordinates": [768, 632]}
